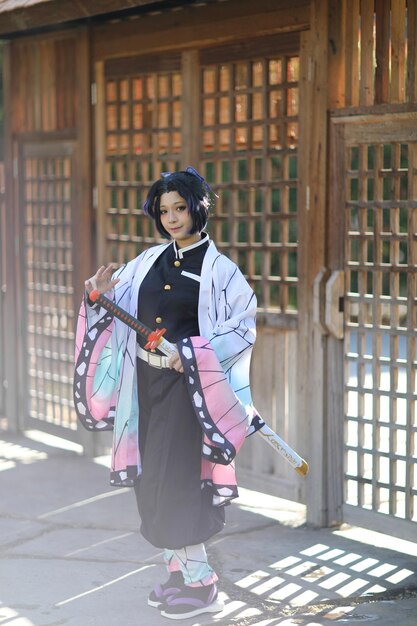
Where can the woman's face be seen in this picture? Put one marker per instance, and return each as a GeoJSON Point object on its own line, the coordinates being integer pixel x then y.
{"type": "Point", "coordinates": [176, 219]}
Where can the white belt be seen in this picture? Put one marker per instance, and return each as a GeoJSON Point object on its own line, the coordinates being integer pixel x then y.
{"type": "Point", "coordinates": [154, 360]}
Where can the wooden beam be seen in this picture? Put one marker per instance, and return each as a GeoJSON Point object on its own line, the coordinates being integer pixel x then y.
{"type": "Point", "coordinates": [199, 26]}
{"type": "Point", "coordinates": [382, 50]}
{"type": "Point", "coordinates": [398, 41]}
{"type": "Point", "coordinates": [411, 95]}
{"type": "Point", "coordinates": [337, 58]}
{"type": "Point", "coordinates": [312, 255]}
{"type": "Point", "coordinates": [366, 90]}
{"type": "Point", "coordinates": [191, 122]}
{"type": "Point", "coordinates": [18, 16]}
{"type": "Point", "coordinates": [352, 54]}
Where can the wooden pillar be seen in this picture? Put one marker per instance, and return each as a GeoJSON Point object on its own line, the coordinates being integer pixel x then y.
{"type": "Point", "coordinates": [312, 256]}
{"type": "Point", "coordinates": [11, 383]}
{"type": "Point", "coordinates": [191, 97]}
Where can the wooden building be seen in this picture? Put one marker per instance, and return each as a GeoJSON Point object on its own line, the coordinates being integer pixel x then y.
{"type": "Point", "coordinates": [302, 114]}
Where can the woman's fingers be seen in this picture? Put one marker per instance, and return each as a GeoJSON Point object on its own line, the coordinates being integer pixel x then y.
{"type": "Point", "coordinates": [102, 280]}
{"type": "Point", "coordinates": [175, 363]}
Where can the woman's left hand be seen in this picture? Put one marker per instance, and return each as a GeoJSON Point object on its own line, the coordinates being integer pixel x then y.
{"type": "Point", "coordinates": [174, 363]}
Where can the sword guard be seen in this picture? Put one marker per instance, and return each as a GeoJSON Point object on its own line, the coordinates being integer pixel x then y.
{"type": "Point", "coordinates": [154, 338]}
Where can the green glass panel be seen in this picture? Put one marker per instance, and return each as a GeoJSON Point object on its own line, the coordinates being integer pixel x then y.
{"type": "Point", "coordinates": [386, 221]}
{"type": "Point", "coordinates": [257, 257]}
{"type": "Point", "coordinates": [385, 252]}
{"type": "Point", "coordinates": [353, 282]}
{"type": "Point", "coordinates": [150, 169]}
{"type": "Point", "coordinates": [370, 252]}
{"type": "Point", "coordinates": [226, 201]}
{"type": "Point", "coordinates": [275, 232]}
{"type": "Point", "coordinates": [370, 189]}
{"type": "Point", "coordinates": [225, 232]}
{"type": "Point", "coordinates": [274, 268]}
{"type": "Point", "coordinates": [276, 168]}
{"type": "Point", "coordinates": [209, 172]}
{"type": "Point", "coordinates": [242, 261]}
{"type": "Point", "coordinates": [138, 172]}
{"type": "Point", "coordinates": [292, 231]}
{"type": "Point", "coordinates": [139, 227]}
{"type": "Point", "coordinates": [258, 293]}
{"type": "Point", "coordinates": [242, 232]}
{"type": "Point", "coordinates": [386, 290]}
{"type": "Point", "coordinates": [403, 188]}
{"type": "Point", "coordinates": [243, 201]}
{"type": "Point", "coordinates": [387, 155]}
{"type": "Point", "coordinates": [292, 200]}
{"type": "Point", "coordinates": [225, 172]}
{"type": "Point", "coordinates": [403, 285]}
{"type": "Point", "coordinates": [354, 189]}
{"type": "Point", "coordinates": [292, 263]}
{"type": "Point", "coordinates": [404, 156]}
{"type": "Point", "coordinates": [403, 219]}
{"type": "Point", "coordinates": [354, 250]}
{"type": "Point", "coordinates": [403, 253]}
{"type": "Point", "coordinates": [292, 298]}
{"type": "Point", "coordinates": [354, 158]}
{"type": "Point", "coordinates": [275, 200]}
{"type": "Point", "coordinates": [371, 157]}
{"type": "Point", "coordinates": [138, 202]}
{"type": "Point", "coordinates": [274, 290]}
{"type": "Point", "coordinates": [292, 167]}
{"type": "Point", "coordinates": [259, 201]}
{"type": "Point", "coordinates": [369, 283]}
{"type": "Point", "coordinates": [258, 232]}
{"type": "Point", "coordinates": [354, 219]}
{"type": "Point", "coordinates": [242, 169]}
{"type": "Point", "coordinates": [258, 163]}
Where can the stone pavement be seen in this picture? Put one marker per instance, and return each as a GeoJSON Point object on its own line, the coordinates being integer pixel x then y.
{"type": "Point", "coordinates": [71, 554]}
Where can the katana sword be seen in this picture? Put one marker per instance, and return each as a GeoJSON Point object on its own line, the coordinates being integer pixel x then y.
{"type": "Point", "coordinates": [155, 339]}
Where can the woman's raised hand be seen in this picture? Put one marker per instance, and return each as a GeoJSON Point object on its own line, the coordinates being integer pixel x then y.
{"type": "Point", "coordinates": [102, 280]}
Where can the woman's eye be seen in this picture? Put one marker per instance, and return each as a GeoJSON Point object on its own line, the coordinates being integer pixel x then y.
{"type": "Point", "coordinates": [181, 208]}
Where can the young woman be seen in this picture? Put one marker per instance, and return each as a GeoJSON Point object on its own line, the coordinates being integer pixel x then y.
{"type": "Point", "coordinates": [177, 422]}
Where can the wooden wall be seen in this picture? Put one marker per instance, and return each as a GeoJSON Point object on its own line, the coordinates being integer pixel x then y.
{"type": "Point", "coordinates": [372, 53]}
{"type": "Point", "coordinates": [47, 106]}
{"type": "Point", "coordinates": [44, 87]}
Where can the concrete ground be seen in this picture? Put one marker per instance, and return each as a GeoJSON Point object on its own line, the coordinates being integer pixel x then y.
{"type": "Point", "coordinates": [71, 554]}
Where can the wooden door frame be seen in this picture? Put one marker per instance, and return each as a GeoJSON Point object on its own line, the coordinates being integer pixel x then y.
{"type": "Point", "coordinates": [342, 130]}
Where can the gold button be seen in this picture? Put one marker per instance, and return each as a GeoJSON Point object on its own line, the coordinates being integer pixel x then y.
{"type": "Point", "coordinates": [167, 287]}
{"type": "Point", "coordinates": [177, 263]}
{"type": "Point", "coordinates": [158, 320]}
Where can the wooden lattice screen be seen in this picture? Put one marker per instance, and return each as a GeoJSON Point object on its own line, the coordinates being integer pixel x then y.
{"type": "Point", "coordinates": [143, 138]}
{"type": "Point", "coordinates": [49, 306]}
{"type": "Point", "coordinates": [381, 320]}
{"type": "Point", "coordinates": [248, 138]}
{"type": "Point", "coordinates": [249, 153]}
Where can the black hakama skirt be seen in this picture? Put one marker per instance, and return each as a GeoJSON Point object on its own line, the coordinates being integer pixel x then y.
{"type": "Point", "coordinates": [175, 511]}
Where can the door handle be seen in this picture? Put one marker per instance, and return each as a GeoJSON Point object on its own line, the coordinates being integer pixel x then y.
{"type": "Point", "coordinates": [334, 301]}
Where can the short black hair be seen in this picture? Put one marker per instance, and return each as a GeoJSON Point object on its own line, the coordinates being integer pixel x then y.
{"type": "Point", "coordinates": [189, 186]}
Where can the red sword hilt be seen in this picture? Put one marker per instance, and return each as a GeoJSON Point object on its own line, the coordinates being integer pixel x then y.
{"type": "Point", "coordinates": [154, 338]}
